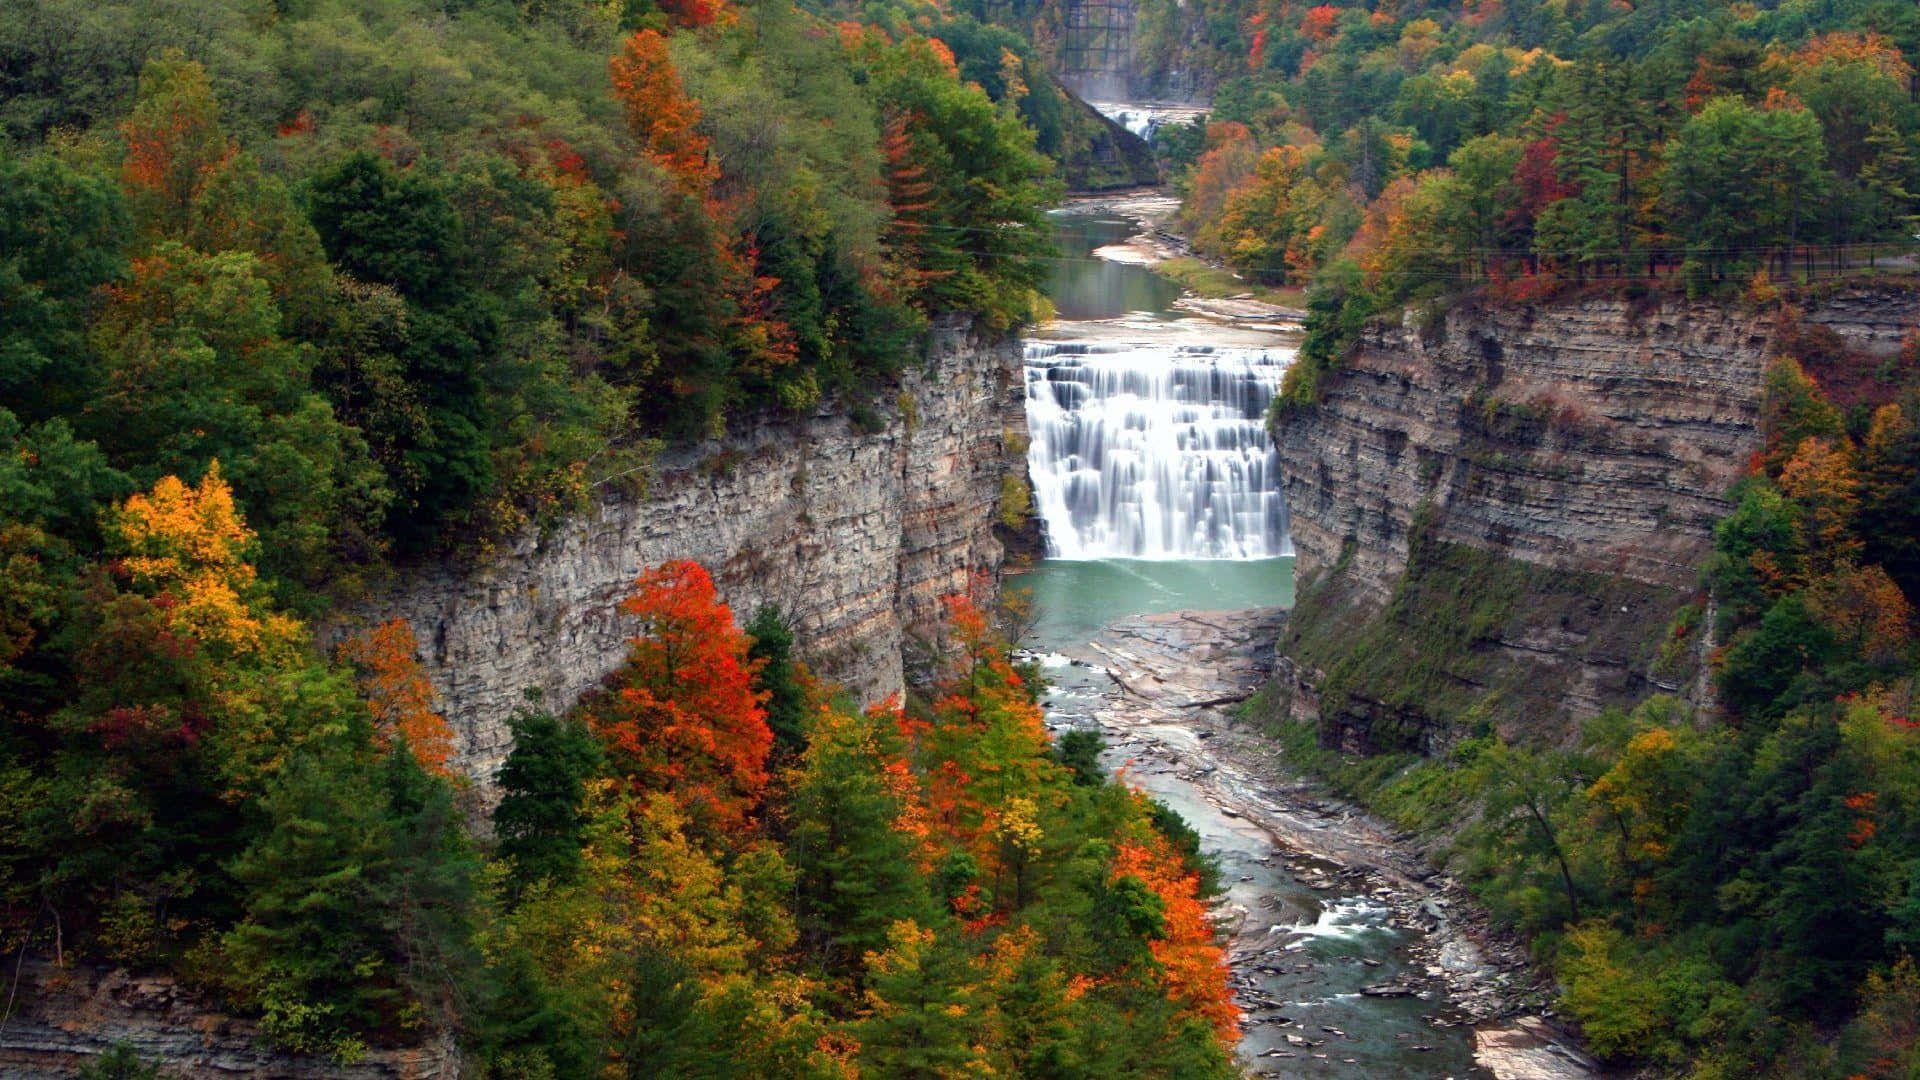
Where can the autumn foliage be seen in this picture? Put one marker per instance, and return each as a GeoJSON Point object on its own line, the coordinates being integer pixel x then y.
{"type": "Point", "coordinates": [399, 694]}
{"type": "Point", "coordinates": [682, 715]}
{"type": "Point", "coordinates": [188, 548]}
{"type": "Point", "coordinates": [175, 148]}
{"type": "Point", "coordinates": [660, 113]}
{"type": "Point", "coordinates": [1192, 965]}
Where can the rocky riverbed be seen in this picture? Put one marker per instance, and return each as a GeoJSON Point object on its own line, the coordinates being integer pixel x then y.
{"type": "Point", "coordinates": [1352, 955]}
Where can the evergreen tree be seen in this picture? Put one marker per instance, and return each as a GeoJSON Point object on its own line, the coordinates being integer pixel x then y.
{"type": "Point", "coordinates": [923, 1020]}
{"type": "Point", "coordinates": [541, 820]}
{"type": "Point", "coordinates": [856, 874]}
{"type": "Point", "coordinates": [62, 236]}
{"type": "Point", "coordinates": [382, 226]}
{"type": "Point", "coordinates": [786, 698]}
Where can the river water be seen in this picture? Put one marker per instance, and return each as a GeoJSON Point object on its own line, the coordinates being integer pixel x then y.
{"type": "Point", "coordinates": [1158, 494]}
{"type": "Point", "coordinates": [1148, 438]}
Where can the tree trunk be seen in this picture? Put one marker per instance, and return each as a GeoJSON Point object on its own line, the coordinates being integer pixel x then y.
{"type": "Point", "coordinates": [1566, 875]}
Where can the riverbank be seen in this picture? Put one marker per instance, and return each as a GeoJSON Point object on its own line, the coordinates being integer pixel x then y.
{"type": "Point", "coordinates": [1211, 289]}
{"type": "Point", "coordinates": [1457, 989]}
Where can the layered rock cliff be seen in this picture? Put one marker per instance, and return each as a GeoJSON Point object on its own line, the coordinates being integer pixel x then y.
{"type": "Point", "coordinates": [1547, 477]}
{"type": "Point", "coordinates": [854, 527]}
{"type": "Point", "coordinates": [66, 1019]}
{"type": "Point", "coordinates": [854, 531]}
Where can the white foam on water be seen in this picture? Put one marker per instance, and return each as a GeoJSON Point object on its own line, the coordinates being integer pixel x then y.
{"type": "Point", "coordinates": [1155, 451]}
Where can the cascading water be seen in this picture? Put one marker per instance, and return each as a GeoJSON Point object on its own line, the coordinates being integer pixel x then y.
{"type": "Point", "coordinates": [1155, 451]}
{"type": "Point", "coordinates": [1145, 120]}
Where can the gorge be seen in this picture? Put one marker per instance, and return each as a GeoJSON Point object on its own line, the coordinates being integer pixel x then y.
{"type": "Point", "coordinates": [853, 534]}
{"type": "Point", "coordinates": [1181, 539]}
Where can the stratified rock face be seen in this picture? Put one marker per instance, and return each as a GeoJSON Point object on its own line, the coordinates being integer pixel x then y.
{"type": "Point", "coordinates": [855, 536]}
{"type": "Point", "coordinates": [1587, 436]}
{"type": "Point", "coordinates": [65, 1019]}
{"type": "Point", "coordinates": [1590, 442]}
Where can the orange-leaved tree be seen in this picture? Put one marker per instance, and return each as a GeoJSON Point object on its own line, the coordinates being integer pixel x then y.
{"type": "Point", "coordinates": [659, 111]}
{"type": "Point", "coordinates": [983, 756]}
{"type": "Point", "coordinates": [1191, 965]}
{"type": "Point", "coordinates": [175, 146]}
{"type": "Point", "coordinates": [682, 716]}
{"type": "Point", "coordinates": [398, 693]}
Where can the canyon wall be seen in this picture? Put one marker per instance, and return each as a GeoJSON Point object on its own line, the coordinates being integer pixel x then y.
{"type": "Point", "coordinates": [1588, 445]}
{"type": "Point", "coordinates": [66, 1018]}
{"type": "Point", "coordinates": [853, 533]}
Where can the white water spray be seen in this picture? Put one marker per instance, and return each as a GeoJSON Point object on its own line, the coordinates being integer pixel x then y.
{"type": "Point", "coordinates": [1155, 451]}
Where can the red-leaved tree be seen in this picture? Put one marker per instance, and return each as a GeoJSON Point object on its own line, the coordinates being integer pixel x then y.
{"type": "Point", "coordinates": [682, 716]}
{"type": "Point", "coordinates": [660, 112]}
{"type": "Point", "coordinates": [1192, 965]}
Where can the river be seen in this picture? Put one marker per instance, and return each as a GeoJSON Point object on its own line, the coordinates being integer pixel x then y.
{"type": "Point", "coordinates": [1153, 473]}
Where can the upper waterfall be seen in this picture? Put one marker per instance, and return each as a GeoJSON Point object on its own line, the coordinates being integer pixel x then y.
{"type": "Point", "coordinates": [1155, 451]}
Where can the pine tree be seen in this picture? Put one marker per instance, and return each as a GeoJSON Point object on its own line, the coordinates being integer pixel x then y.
{"type": "Point", "coordinates": [778, 679]}
{"type": "Point", "coordinates": [541, 820]}
{"type": "Point", "coordinates": [923, 1021]}
{"type": "Point", "coordinates": [856, 869]}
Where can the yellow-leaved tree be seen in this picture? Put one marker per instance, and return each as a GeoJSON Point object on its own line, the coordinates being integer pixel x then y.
{"type": "Point", "coordinates": [186, 547]}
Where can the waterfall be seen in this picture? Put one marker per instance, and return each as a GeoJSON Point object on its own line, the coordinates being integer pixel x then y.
{"type": "Point", "coordinates": [1155, 451]}
{"type": "Point", "coordinates": [1145, 120]}
{"type": "Point", "coordinates": [1137, 120]}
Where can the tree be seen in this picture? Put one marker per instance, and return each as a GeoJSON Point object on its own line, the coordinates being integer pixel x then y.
{"type": "Point", "coordinates": [1602, 148]}
{"type": "Point", "coordinates": [921, 1019]}
{"type": "Point", "coordinates": [62, 237]}
{"type": "Point", "coordinates": [1190, 964]}
{"type": "Point", "coordinates": [1821, 481]}
{"type": "Point", "coordinates": [659, 112]}
{"type": "Point", "coordinates": [354, 901]}
{"type": "Point", "coordinates": [1793, 409]}
{"type": "Point", "coordinates": [1645, 793]}
{"type": "Point", "coordinates": [1267, 216]}
{"type": "Point", "coordinates": [383, 226]}
{"type": "Point", "coordinates": [856, 868]}
{"type": "Point", "coordinates": [1889, 516]}
{"type": "Point", "coordinates": [1889, 1023]}
{"type": "Point", "coordinates": [1079, 751]}
{"type": "Point", "coordinates": [174, 145]}
{"type": "Point", "coordinates": [682, 716]}
{"type": "Point", "coordinates": [1481, 195]}
{"type": "Point", "coordinates": [779, 678]}
{"type": "Point", "coordinates": [399, 695]}
{"type": "Point", "coordinates": [541, 820]}
{"type": "Point", "coordinates": [187, 181]}
{"type": "Point", "coordinates": [988, 236]}
{"type": "Point", "coordinates": [1739, 178]}
{"type": "Point", "coordinates": [1857, 87]}
{"type": "Point", "coordinates": [1529, 796]}
{"type": "Point", "coordinates": [1230, 157]}
{"type": "Point", "coordinates": [1865, 611]}
{"type": "Point", "coordinates": [189, 546]}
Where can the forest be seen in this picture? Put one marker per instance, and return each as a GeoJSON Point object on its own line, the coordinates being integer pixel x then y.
{"type": "Point", "coordinates": [1389, 156]}
{"type": "Point", "coordinates": [1718, 893]}
{"type": "Point", "coordinates": [296, 291]}
{"type": "Point", "coordinates": [292, 292]}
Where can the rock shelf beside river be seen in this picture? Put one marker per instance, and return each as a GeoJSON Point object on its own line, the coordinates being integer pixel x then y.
{"type": "Point", "coordinates": [1337, 930]}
